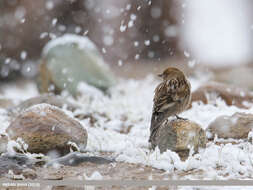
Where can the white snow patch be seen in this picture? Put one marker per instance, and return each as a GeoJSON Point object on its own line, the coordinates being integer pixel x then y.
{"type": "Point", "coordinates": [18, 93]}
{"type": "Point", "coordinates": [82, 42]}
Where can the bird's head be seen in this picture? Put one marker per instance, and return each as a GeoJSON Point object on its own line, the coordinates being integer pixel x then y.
{"type": "Point", "coordinates": [171, 72]}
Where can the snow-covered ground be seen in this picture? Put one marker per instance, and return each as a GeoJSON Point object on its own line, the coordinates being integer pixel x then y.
{"type": "Point", "coordinates": [130, 106]}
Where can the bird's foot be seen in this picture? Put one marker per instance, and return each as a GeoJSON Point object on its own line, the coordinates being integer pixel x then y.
{"type": "Point", "coordinates": [180, 117]}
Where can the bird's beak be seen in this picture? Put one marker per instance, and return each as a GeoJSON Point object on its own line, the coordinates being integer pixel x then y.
{"type": "Point", "coordinates": [160, 75]}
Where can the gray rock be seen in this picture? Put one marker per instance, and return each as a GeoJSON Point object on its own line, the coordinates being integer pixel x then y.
{"type": "Point", "coordinates": [76, 158]}
{"type": "Point", "coordinates": [180, 135]}
{"type": "Point", "coordinates": [3, 143]}
{"type": "Point", "coordinates": [72, 59]}
{"type": "Point", "coordinates": [17, 163]}
{"type": "Point", "coordinates": [46, 128]}
{"type": "Point", "coordinates": [236, 126]}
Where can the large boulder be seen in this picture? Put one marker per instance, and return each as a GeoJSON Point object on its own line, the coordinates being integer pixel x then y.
{"type": "Point", "coordinates": [70, 60]}
{"type": "Point", "coordinates": [180, 135]}
{"type": "Point", "coordinates": [46, 128]}
{"type": "Point", "coordinates": [236, 126]}
{"type": "Point", "coordinates": [232, 95]}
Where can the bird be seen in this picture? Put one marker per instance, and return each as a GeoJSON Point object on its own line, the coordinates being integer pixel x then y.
{"type": "Point", "coordinates": [172, 96]}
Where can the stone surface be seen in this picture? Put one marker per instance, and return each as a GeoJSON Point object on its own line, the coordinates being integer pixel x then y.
{"type": "Point", "coordinates": [179, 135]}
{"type": "Point", "coordinates": [72, 59]}
{"type": "Point", "coordinates": [44, 128]}
{"type": "Point", "coordinates": [76, 158]}
{"type": "Point", "coordinates": [3, 143]}
{"type": "Point", "coordinates": [57, 101]}
{"type": "Point", "coordinates": [232, 95]}
{"type": "Point", "coordinates": [236, 126]}
{"type": "Point", "coordinates": [17, 163]}
{"type": "Point", "coordinates": [232, 75]}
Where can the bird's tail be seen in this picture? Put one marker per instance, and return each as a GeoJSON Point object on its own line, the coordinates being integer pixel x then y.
{"type": "Point", "coordinates": [156, 121]}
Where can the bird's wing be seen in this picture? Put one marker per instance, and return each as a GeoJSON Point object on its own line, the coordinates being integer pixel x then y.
{"type": "Point", "coordinates": [163, 98]}
{"type": "Point", "coordinates": [167, 94]}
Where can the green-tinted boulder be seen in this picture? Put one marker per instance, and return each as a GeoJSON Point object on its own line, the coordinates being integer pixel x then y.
{"type": "Point", "coordinates": [69, 60]}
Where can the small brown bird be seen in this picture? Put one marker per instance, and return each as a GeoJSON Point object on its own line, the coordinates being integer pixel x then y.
{"type": "Point", "coordinates": [172, 96]}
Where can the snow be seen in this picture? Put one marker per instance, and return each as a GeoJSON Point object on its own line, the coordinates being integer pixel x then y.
{"type": "Point", "coordinates": [147, 42]}
{"type": "Point", "coordinates": [130, 24]}
{"type": "Point", "coordinates": [54, 21]}
{"type": "Point", "coordinates": [128, 7]}
{"type": "Point", "coordinates": [171, 31]}
{"type": "Point", "coordinates": [133, 17]}
{"type": "Point", "coordinates": [122, 28]}
{"type": "Point", "coordinates": [108, 40]}
{"type": "Point", "coordinates": [136, 43]}
{"type": "Point", "coordinates": [43, 35]}
{"type": "Point", "coordinates": [3, 120]}
{"type": "Point", "coordinates": [49, 5]}
{"type": "Point", "coordinates": [156, 38]}
{"type": "Point", "coordinates": [137, 56]}
{"type": "Point", "coordinates": [156, 12]}
{"type": "Point", "coordinates": [82, 42]}
{"type": "Point", "coordinates": [120, 62]}
{"type": "Point", "coordinates": [23, 55]}
{"type": "Point", "coordinates": [20, 13]}
{"type": "Point", "coordinates": [122, 128]}
{"type": "Point", "coordinates": [12, 91]}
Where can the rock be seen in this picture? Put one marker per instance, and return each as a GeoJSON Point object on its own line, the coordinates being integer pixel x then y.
{"type": "Point", "coordinates": [29, 173]}
{"type": "Point", "coordinates": [72, 59]}
{"type": "Point", "coordinates": [76, 158]}
{"type": "Point", "coordinates": [16, 163]}
{"type": "Point", "coordinates": [236, 126]}
{"type": "Point", "coordinates": [3, 143]}
{"type": "Point", "coordinates": [46, 128]}
{"type": "Point", "coordinates": [57, 101]}
{"type": "Point", "coordinates": [179, 135]}
{"type": "Point", "coordinates": [232, 95]}
{"type": "Point", "coordinates": [232, 75]}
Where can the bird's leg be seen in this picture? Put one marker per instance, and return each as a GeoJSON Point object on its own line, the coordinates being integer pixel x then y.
{"type": "Point", "coordinates": [180, 117]}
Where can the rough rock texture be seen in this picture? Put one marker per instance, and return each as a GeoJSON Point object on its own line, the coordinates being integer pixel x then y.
{"type": "Point", "coordinates": [230, 94]}
{"type": "Point", "coordinates": [179, 135]}
{"type": "Point", "coordinates": [236, 126]}
{"type": "Point", "coordinates": [44, 128]}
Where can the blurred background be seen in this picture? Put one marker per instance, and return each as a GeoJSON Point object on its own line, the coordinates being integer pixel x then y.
{"type": "Point", "coordinates": [134, 37]}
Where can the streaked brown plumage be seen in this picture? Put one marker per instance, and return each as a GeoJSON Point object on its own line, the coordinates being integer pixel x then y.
{"type": "Point", "coordinates": [172, 96]}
